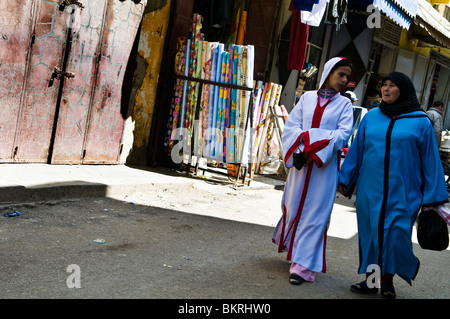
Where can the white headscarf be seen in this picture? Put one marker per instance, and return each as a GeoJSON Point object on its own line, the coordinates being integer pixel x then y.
{"type": "Point", "coordinates": [328, 67]}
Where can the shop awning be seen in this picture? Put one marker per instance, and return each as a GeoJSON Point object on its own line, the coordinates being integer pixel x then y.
{"type": "Point", "coordinates": [410, 7]}
{"type": "Point", "coordinates": [401, 12]}
{"type": "Point", "coordinates": [430, 26]}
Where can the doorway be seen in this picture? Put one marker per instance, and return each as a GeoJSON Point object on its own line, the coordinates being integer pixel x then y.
{"type": "Point", "coordinates": [62, 72]}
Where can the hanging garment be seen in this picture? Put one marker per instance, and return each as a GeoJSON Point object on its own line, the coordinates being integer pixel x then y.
{"type": "Point", "coordinates": [314, 18]}
{"type": "Point", "coordinates": [396, 166]}
{"type": "Point", "coordinates": [321, 132]}
{"type": "Point", "coordinates": [298, 41]}
{"type": "Point", "coordinates": [336, 13]}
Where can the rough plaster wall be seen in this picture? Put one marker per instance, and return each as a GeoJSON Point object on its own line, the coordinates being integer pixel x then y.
{"type": "Point", "coordinates": [145, 81]}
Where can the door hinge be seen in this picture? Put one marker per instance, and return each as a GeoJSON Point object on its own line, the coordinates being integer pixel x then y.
{"type": "Point", "coordinates": [57, 74]}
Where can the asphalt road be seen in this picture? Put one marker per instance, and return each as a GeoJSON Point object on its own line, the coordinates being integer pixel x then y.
{"type": "Point", "coordinates": [162, 245]}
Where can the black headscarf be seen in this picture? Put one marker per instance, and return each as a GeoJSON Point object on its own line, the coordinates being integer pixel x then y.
{"type": "Point", "coordinates": [407, 101]}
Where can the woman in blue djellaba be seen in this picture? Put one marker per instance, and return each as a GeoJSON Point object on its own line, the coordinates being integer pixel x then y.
{"type": "Point", "coordinates": [394, 163]}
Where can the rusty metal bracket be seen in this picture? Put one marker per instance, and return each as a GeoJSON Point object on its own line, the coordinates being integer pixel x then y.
{"type": "Point", "coordinates": [57, 75]}
{"type": "Point", "coordinates": [66, 3]}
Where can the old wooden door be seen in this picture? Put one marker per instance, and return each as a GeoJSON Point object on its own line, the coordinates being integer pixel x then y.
{"type": "Point", "coordinates": [76, 96]}
{"type": "Point", "coordinates": [14, 19]}
{"type": "Point", "coordinates": [32, 43]}
{"type": "Point", "coordinates": [50, 117]}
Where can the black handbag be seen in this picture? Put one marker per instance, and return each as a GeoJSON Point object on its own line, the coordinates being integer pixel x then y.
{"type": "Point", "coordinates": [298, 160]}
{"type": "Point", "coordinates": [432, 231]}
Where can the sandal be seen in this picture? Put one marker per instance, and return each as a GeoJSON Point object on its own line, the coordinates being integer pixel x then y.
{"type": "Point", "coordinates": [295, 279]}
{"type": "Point", "coordinates": [362, 288]}
{"type": "Point", "coordinates": [387, 291]}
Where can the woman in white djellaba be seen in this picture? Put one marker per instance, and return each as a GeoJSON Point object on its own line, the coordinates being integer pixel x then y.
{"type": "Point", "coordinates": [316, 130]}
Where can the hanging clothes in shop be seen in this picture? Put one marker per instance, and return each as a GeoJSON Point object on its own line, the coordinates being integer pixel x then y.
{"type": "Point", "coordinates": [336, 12]}
{"type": "Point", "coordinates": [314, 17]}
{"type": "Point", "coordinates": [298, 40]}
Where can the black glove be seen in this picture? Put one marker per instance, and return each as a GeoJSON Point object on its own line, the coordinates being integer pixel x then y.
{"type": "Point", "coordinates": [299, 160]}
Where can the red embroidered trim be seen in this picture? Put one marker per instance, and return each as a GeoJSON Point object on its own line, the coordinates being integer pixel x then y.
{"type": "Point", "coordinates": [324, 262]}
{"type": "Point", "coordinates": [293, 147]}
{"type": "Point", "coordinates": [281, 245]}
{"type": "Point", "coordinates": [312, 149]}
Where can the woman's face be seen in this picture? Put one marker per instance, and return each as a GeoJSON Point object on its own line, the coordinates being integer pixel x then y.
{"type": "Point", "coordinates": [339, 78]}
{"type": "Point", "coordinates": [390, 92]}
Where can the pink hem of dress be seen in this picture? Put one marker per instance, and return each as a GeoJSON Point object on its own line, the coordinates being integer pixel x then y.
{"type": "Point", "coordinates": [303, 272]}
